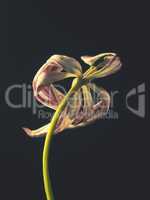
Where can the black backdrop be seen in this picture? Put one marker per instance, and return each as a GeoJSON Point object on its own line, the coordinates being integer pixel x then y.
{"type": "Point", "coordinates": [105, 160]}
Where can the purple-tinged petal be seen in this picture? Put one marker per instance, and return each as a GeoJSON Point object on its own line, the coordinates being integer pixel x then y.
{"type": "Point", "coordinates": [50, 72]}
{"type": "Point", "coordinates": [92, 109]}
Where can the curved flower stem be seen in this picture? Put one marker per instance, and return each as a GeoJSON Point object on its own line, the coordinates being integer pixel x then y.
{"type": "Point", "coordinates": [46, 176]}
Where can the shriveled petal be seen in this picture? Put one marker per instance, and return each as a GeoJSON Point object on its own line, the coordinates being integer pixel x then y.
{"type": "Point", "coordinates": [38, 132]}
{"type": "Point", "coordinates": [69, 64]}
{"type": "Point", "coordinates": [49, 96]}
{"type": "Point", "coordinates": [87, 100]}
{"type": "Point", "coordinates": [103, 66]}
{"type": "Point", "coordinates": [63, 123]}
{"type": "Point", "coordinates": [49, 73]}
{"type": "Point", "coordinates": [93, 106]}
{"type": "Point", "coordinates": [74, 104]}
{"type": "Point", "coordinates": [45, 79]}
{"type": "Point", "coordinates": [53, 70]}
{"type": "Point", "coordinates": [111, 67]}
{"type": "Point", "coordinates": [47, 67]}
{"type": "Point", "coordinates": [102, 105]}
{"type": "Point", "coordinates": [96, 60]}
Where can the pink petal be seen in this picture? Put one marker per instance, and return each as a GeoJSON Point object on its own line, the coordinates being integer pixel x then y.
{"type": "Point", "coordinates": [49, 73]}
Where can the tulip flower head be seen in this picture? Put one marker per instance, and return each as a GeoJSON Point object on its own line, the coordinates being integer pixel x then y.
{"type": "Point", "coordinates": [87, 103]}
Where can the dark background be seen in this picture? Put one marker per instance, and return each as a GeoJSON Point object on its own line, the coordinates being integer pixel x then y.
{"type": "Point", "coordinates": [105, 160]}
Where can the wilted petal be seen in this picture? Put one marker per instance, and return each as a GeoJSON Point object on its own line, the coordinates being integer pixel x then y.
{"type": "Point", "coordinates": [49, 96]}
{"type": "Point", "coordinates": [102, 105]}
{"type": "Point", "coordinates": [74, 104]}
{"type": "Point", "coordinates": [69, 64]}
{"type": "Point", "coordinates": [87, 100]}
{"type": "Point", "coordinates": [110, 67]}
{"type": "Point", "coordinates": [49, 73]}
{"type": "Point", "coordinates": [102, 65]}
{"type": "Point", "coordinates": [63, 123]}
{"type": "Point", "coordinates": [47, 78]}
{"type": "Point", "coordinates": [47, 67]}
{"type": "Point", "coordinates": [96, 60]}
{"type": "Point", "coordinates": [38, 132]}
{"type": "Point", "coordinates": [94, 106]}
{"type": "Point", "coordinates": [86, 108]}
{"type": "Point", "coordinates": [55, 69]}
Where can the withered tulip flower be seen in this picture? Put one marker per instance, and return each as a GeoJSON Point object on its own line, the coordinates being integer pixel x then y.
{"type": "Point", "coordinates": [84, 103]}
{"type": "Point", "coordinates": [81, 108]}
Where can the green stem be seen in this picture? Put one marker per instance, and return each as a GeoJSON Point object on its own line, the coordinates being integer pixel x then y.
{"type": "Point", "coordinates": [46, 176]}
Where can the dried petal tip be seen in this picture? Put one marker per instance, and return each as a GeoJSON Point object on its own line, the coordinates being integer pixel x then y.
{"type": "Point", "coordinates": [28, 131]}
{"type": "Point", "coordinates": [37, 132]}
